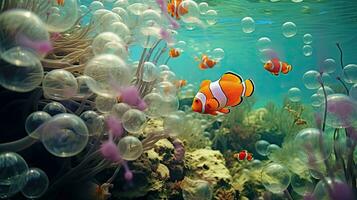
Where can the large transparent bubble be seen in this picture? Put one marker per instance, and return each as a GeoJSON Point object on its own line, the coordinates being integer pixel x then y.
{"type": "Point", "coordinates": [174, 124]}
{"type": "Point", "coordinates": [22, 70]}
{"type": "Point", "coordinates": [316, 100]}
{"type": "Point", "coordinates": [272, 148]}
{"type": "Point", "coordinates": [294, 94]}
{"type": "Point", "coordinates": [60, 17]}
{"type": "Point", "coordinates": [83, 89]}
{"type": "Point", "coordinates": [121, 30]}
{"type": "Point", "coordinates": [302, 185]}
{"type": "Point", "coordinates": [350, 73]}
{"type": "Point", "coordinates": [332, 188]}
{"type": "Point", "coordinates": [134, 121]}
{"type": "Point", "coordinates": [105, 21]}
{"type": "Point", "coordinates": [95, 5]}
{"type": "Point", "coordinates": [275, 177]}
{"type": "Point", "coordinates": [34, 121]}
{"type": "Point", "coordinates": [13, 169]}
{"type": "Point", "coordinates": [99, 42]}
{"type": "Point", "coordinates": [169, 104]}
{"type": "Point", "coordinates": [105, 104]}
{"type": "Point", "coordinates": [116, 48]}
{"type": "Point", "coordinates": [311, 79]}
{"type": "Point", "coordinates": [65, 135]}
{"type": "Point", "coordinates": [248, 25]}
{"type": "Point", "coordinates": [150, 72]}
{"type": "Point", "coordinates": [261, 147]}
{"type": "Point", "coordinates": [54, 108]}
{"type": "Point", "coordinates": [148, 36]}
{"type": "Point", "coordinates": [149, 17]}
{"type": "Point", "coordinates": [341, 111]}
{"type": "Point", "coordinates": [289, 29]}
{"type": "Point", "coordinates": [122, 13]}
{"type": "Point", "coordinates": [328, 66]}
{"type": "Point", "coordinates": [107, 73]}
{"type": "Point", "coordinates": [92, 121]}
{"type": "Point", "coordinates": [328, 91]}
{"type": "Point", "coordinates": [188, 10]}
{"type": "Point", "coordinates": [36, 183]}
{"type": "Point", "coordinates": [264, 43]}
{"type": "Point", "coordinates": [130, 148]}
{"type": "Point", "coordinates": [59, 84]}
{"type": "Point", "coordinates": [23, 28]}
{"type": "Point", "coordinates": [307, 38]}
{"type": "Point", "coordinates": [167, 75]}
{"type": "Point", "coordinates": [312, 146]}
{"type": "Point", "coordinates": [307, 50]}
{"type": "Point", "coordinates": [154, 102]}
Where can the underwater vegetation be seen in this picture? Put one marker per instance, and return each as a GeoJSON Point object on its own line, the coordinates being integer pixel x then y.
{"type": "Point", "coordinates": [92, 108]}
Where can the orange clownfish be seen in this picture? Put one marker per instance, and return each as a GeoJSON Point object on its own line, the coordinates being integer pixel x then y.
{"type": "Point", "coordinates": [275, 66]}
{"type": "Point", "coordinates": [214, 97]}
{"type": "Point", "coordinates": [243, 155]}
{"type": "Point", "coordinates": [174, 8]}
{"type": "Point", "coordinates": [60, 2]}
{"type": "Point", "coordinates": [180, 83]}
{"type": "Point", "coordinates": [206, 62]}
{"type": "Point", "coordinates": [173, 53]}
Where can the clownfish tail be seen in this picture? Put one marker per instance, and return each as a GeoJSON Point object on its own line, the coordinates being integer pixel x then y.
{"type": "Point", "coordinates": [249, 87]}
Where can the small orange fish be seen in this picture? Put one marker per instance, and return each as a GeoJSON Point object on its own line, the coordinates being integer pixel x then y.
{"type": "Point", "coordinates": [206, 62]}
{"type": "Point", "coordinates": [214, 97]}
{"type": "Point", "coordinates": [180, 83]}
{"type": "Point", "coordinates": [173, 53]}
{"type": "Point", "coordinates": [60, 2]}
{"type": "Point", "coordinates": [243, 155]}
{"type": "Point", "coordinates": [175, 9]}
{"type": "Point", "coordinates": [275, 66]}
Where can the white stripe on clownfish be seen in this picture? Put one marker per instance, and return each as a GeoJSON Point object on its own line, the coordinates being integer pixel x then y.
{"type": "Point", "coordinates": [218, 94]}
{"type": "Point", "coordinates": [244, 89]}
{"type": "Point", "coordinates": [203, 99]}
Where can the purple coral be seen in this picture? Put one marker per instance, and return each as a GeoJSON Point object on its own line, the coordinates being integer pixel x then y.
{"type": "Point", "coordinates": [130, 95]}
{"type": "Point", "coordinates": [110, 152]}
{"type": "Point", "coordinates": [179, 150]}
{"type": "Point", "coordinates": [115, 126]}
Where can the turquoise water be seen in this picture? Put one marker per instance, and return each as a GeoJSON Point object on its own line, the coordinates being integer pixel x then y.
{"type": "Point", "coordinates": [327, 21]}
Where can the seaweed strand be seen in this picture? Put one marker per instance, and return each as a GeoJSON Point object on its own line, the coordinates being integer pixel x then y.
{"type": "Point", "coordinates": [342, 65]}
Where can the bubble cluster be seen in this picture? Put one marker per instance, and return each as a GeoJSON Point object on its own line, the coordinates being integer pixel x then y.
{"type": "Point", "coordinates": [65, 135]}
{"type": "Point", "coordinates": [130, 148]}
{"type": "Point", "coordinates": [275, 178]}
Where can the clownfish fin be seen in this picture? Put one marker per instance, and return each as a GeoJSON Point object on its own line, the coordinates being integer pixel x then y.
{"type": "Point", "coordinates": [205, 83]}
{"type": "Point", "coordinates": [224, 110]}
{"type": "Point", "coordinates": [239, 101]}
{"type": "Point", "coordinates": [212, 104]}
{"type": "Point", "coordinates": [231, 76]}
{"type": "Point", "coordinates": [249, 87]}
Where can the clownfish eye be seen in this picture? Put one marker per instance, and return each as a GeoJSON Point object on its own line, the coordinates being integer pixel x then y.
{"type": "Point", "coordinates": [196, 101]}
